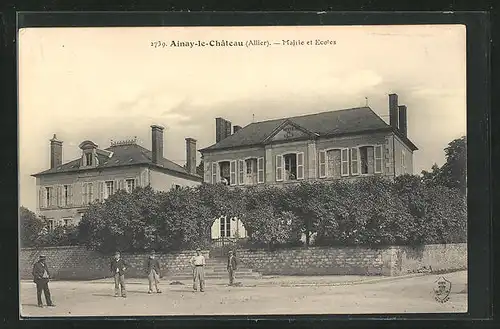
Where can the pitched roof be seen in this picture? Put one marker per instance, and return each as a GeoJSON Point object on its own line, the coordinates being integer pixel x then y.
{"type": "Point", "coordinates": [122, 155]}
{"type": "Point", "coordinates": [347, 121]}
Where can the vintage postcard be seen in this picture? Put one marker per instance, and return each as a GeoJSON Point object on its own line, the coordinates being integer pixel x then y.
{"type": "Point", "coordinates": [242, 170]}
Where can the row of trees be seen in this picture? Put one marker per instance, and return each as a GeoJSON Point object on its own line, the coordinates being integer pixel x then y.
{"type": "Point", "coordinates": [412, 210]}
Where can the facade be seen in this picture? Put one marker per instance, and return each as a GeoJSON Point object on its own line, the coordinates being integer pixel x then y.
{"type": "Point", "coordinates": [342, 144]}
{"type": "Point", "coordinates": [65, 190]}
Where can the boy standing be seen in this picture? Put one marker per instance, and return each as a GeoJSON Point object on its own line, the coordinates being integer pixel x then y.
{"type": "Point", "coordinates": [198, 264]}
{"type": "Point", "coordinates": [154, 274]}
{"type": "Point", "coordinates": [118, 267]}
{"type": "Point", "coordinates": [231, 266]}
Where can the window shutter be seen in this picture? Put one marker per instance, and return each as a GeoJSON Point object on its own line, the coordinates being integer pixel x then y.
{"type": "Point", "coordinates": [344, 160]}
{"type": "Point", "coordinates": [378, 159]}
{"type": "Point", "coordinates": [41, 198]}
{"type": "Point", "coordinates": [115, 186]}
{"type": "Point", "coordinates": [241, 172]}
{"type": "Point", "coordinates": [279, 168]}
{"type": "Point", "coordinates": [260, 169]}
{"type": "Point", "coordinates": [84, 193]}
{"type": "Point", "coordinates": [232, 174]}
{"type": "Point", "coordinates": [53, 196]}
{"type": "Point", "coordinates": [300, 165]}
{"type": "Point", "coordinates": [322, 164]}
{"type": "Point", "coordinates": [206, 171]}
{"type": "Point", "coordinates": [70, 195]}
{"type": "Point", "coordinates": [215, 178]}
{"type": "Point", "coordinates": [403, 162]}
{"type": "Point", "coordinates": [354, 161]}
{"type": "Point", "coordinates": [101, 191]}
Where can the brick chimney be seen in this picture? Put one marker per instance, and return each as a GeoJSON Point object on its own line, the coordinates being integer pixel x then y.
{"type": "Point", "coordinates": [228, 129]}
{"type": "Point", "coordinates": [393, 110]}
{"type": "Point", "coordinates": [156, 143]}
{"type": "Point", "coordinates": [191, 155]}
{"type": "Point", "coordinates": [403, 121]}
{"type": "Point", "coordinates": [220, 129]}
{"type": "Point", "coordinates": [55, 152]}
{"type": "Point", "coordinates": [236, 128]}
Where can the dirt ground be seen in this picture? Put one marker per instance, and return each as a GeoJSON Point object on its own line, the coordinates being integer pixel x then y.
{"type": "Point", "coordinates": [398, 295]}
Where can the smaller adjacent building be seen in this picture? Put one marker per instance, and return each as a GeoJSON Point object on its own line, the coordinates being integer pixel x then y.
{"type": "Point", "coordinates": [66, 189]}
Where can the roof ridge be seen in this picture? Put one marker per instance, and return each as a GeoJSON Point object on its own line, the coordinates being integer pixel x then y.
{"type": "Point", "coordinates": [313, 114]}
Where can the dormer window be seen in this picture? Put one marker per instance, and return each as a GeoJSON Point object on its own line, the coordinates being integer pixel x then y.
{"type": "Point", "coordinates": [89, 154]}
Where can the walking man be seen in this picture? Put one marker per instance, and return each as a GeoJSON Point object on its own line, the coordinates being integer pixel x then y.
{"type": "Point", "coordinates": [231, 266]}
{"type": "Point", "coordinates": [41, 276]}
{"type": "Point", "coordinates": [118, 268]}
{"type": "Point", "coordinates": [198, 264]}
{"type": "Point", "coordinates": [154, 274]}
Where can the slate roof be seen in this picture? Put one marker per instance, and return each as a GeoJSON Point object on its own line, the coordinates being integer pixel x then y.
{"type": "Point", "coordinates": [331, 123]}
{"type": "Point", "coordinates": [123, 155]}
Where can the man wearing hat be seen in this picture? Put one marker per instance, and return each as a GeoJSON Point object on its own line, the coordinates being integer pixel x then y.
{"type": "Point", "coordinates": [154, 274]}
{"type": "Point", "coordinates": [231, 266]}
{"type": "Point", "coordinates": [118, 267]}
{"type": "Point", "coordinates": [41, 276]}
{"type": "Point", "coordinates": [198, 264]}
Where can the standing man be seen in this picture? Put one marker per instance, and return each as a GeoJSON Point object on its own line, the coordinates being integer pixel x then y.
{"type": "Point", "coordinates": [154, 274]}
{"type": "Point", "coordinates": [41, 276]}
{"type": "Point", "coordinates": [231, 266]}
{"type": "Point", "coordinates": [198, 264]}
{"type": "Point", "coordinates": [118, 267]}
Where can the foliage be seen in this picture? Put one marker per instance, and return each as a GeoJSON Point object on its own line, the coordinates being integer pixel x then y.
{"type": "Point", "coordinates": [453, 174]}
{"type": "Point", "coordinates": [30, 227]}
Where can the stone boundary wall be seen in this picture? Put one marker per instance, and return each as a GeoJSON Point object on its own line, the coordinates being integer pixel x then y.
{"type": "Point", "coordinates": [390, 261]}
{"type": "Point", "coordinates": [78, 263]}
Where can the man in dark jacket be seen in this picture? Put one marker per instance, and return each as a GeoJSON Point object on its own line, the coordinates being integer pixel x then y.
{"type": "Point", "coordinates": [118, 268]}
{"type": "Point", "coordinates": [231, 267]}
{"type": "Point", "coordinates": [153, 271]}
{"type": "Point", "coordinates": [41, 277]}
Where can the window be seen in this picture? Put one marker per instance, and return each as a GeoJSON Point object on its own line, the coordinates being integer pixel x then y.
{"type": "Point", "coordinates": [226, 171]}
{"type": "Point", "coordinates": [378, 159]}
{"type": "Point", "coordinates": [344, 161]}
{"type": "Point", "coordinates": [225, 227]}
{"type": "Point", "coordinates": [50, 197]}
{"type": "Point", "coordinates": [109, 189]}
{"type": "Point", "coordinates": [367, 160]}
{"type": "Point", "coordinates": [260, 169]}
{"type": "Point", "coordinates": [333, 164]}
{"type": "Point", "coordinates": [87, 193]}
{"type": "Point", "coordinates": [88, 159]}
{"type": "Point", "coordinates": [66, 221]}
{"type": "Point", "coordinates": [291, 166]}
{"type": "Point", "coordinates": [130, 185]}
{"type": "Point", "coordinates": [66, 195]}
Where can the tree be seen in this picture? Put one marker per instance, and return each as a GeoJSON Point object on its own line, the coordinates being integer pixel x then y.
{"type": "Point", "coordinates": [30, 226]}
{"type": "Point", "coordinates": [200, 170]}
{"type": "Point", "coordinates": [453, 173]}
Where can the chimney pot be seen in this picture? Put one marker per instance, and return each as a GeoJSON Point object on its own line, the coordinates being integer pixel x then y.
{"type": "Point", "coordinates": [393, 111]}
{"type": "Point", "coordinates": [156, 143]}
{"type": "Point", "coordinates": [55, 152]}
{"type": "Point", "coordinates": [191, 155]}
{"type": "Point", "coordinates": [236, 128]}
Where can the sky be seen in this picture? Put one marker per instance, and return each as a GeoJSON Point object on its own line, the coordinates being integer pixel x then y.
{"type": "Point", "coordinates": [106, 84]}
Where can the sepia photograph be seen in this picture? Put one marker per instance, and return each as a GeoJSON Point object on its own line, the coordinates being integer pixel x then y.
{"type": "Point", "coordinates": [270, 170]}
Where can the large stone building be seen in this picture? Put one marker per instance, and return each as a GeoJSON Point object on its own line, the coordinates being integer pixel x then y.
{"type": "Point", "coordinates": [66, 189]}
{"type": "Point", "coordinates": [342, 144]}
